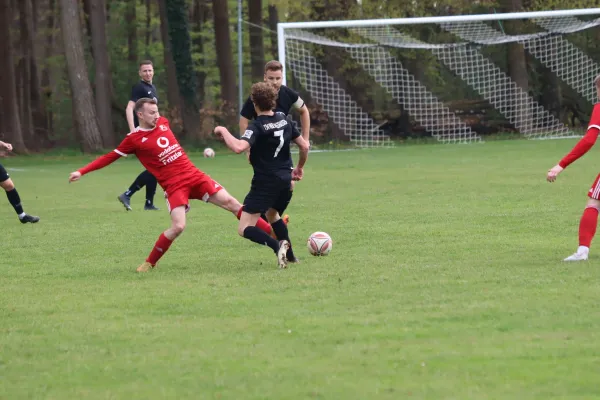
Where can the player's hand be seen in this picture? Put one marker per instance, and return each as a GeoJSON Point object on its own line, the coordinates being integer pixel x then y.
{"type": "Point", "coordinates": [297, 174]}
{"type": "Point", "coordinates": [219, 131]}
{"type": "Point", "coordinates": [7, 146]}
{"type": "Point", "coordinates": [74, 176]}
{"type": "Point", "coordinates": [553, 173]}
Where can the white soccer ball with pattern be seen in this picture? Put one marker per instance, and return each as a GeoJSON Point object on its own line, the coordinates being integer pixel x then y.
{"type": "Point", "coordinates": [319, 244]}
{"type": "Point", "coordinates": [209, 153]}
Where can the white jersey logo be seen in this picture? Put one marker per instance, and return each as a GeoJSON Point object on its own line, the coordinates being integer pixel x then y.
{"type": "Point", "coordinates": [144, 139]}
{"type": "Point", "coordinates": [163, 128]}
{"type": "Point", "coordinates": [247, 134]}
{"type": "Point", "coordinates": [162, 142]}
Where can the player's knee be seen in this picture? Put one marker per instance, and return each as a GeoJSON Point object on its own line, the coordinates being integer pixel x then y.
{"type": "Point", "coordinates": [178, 228]}
{"type": "Point", "coordinates": [272, 215]}
{"type": "Point", "coordinates": [7, 185]}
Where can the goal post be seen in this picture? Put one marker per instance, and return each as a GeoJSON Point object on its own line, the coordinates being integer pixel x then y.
{"type": "Point", "coordinates": [447, 77]}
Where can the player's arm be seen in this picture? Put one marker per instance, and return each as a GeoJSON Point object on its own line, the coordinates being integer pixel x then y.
{"type": "Point", "coordinates": [303, 146]}
{"type": "Point", "coordinates": [122, 150]}
{"type": "Point", "coordinates": [582, 147]}
{"type": "Point", "coordinates": [129, 110]}
{"type": "Point", "coordinates": [236, 145]}
{"type": "Point", "coordinates": [5, 145]}
{"type": "Point", "coordinates": [304, 120]}
{"type": "Point", "coordinates": [136, 94]}
{"type": "Point", "coordinates": [304, 113]}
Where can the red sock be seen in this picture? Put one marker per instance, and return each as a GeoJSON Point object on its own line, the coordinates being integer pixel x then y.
{"type": "Point", "coordinates": [160, 248]}
{"type": "Point", "coordinates": [260, 224]}
{"type": "Point", "coordinates": [587, 226]}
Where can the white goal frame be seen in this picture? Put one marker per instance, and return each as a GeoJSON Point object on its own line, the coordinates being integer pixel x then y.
{"type": "Point", "coordinates": [356, 25]}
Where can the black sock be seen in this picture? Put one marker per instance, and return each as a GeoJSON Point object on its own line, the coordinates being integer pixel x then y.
{"type": "Point", "coordinates": [261, 237]}
{"type": "Point", "coordinates": [281, 231]}
{"type": "Point", "coordinates": [139, 183]}
{"type": "Point", "coordinates": [150, 188]}
{"type": "Point", "coordinates": [15, 201]}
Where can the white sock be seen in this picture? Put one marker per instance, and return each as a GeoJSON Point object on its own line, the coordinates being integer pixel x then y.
{"type": "Point", "coordinates": [583, 250]}
{"type": "Point", "coordinates": [22, 215]}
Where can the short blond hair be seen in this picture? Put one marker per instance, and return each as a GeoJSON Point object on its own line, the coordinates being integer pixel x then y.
{"type": "Point", "coordinates": [597, 80]}
{"type": "Point", "coordinates": [142, 102]}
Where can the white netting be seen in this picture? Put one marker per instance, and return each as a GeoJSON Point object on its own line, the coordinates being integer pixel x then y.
{"type": "Point", "coordinates": [382, 51]}
{"type": "Point", "coordinates": [346, 114]}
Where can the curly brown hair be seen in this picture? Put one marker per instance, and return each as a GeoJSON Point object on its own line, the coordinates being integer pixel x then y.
{"type": "Point", "coordinates": [264, 96]}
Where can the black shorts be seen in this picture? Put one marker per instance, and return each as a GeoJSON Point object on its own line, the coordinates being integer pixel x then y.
{"type": "Point", "coordinates": [3, 174]}
{"type": "Point", "coordinates": [268, 193]}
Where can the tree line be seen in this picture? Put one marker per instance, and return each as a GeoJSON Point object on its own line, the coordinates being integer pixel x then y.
{"type": "Point", "coordinates": [67, 66]}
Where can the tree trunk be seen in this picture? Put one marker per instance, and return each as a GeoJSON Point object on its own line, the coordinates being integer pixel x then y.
{"type": "Point", "coordinates": [199, 16]}
{"type": "Point", "coordinates": [517, 62]}
{"type": "Point", "coordinates": [224, 58]}
{"type": "Point", "coordinates": [273, 20]}
{"type": "Point", "coordinates": [38, 110]}
{"type": "Point", "coordinates": [86, 123]}
{"type": "Point", "coordinates": [130, 20]}
{"type": "Point", "coordinates": [173, 96]}
{"type": "Point", "coordinates": [257, 47]}
{"type": "Point", "coordinates": [24, 66]}
{"type": "Point", "coordinates": [45, 84]}
{"type": "Point", "coordinates": [181, 46]}
{"type": "Point", "coordinates": [148, 23]}
{"type": "Point", "coordinates": [11, 123]}
{"type": "Point", "coordinates": [103, 79]}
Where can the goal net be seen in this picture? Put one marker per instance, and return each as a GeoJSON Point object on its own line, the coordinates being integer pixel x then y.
{"type": "Point", "coordinates": [455, 79]}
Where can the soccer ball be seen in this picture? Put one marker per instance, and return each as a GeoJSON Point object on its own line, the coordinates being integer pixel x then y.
{"type": "Point", "coordinates": [319, 244]}
{"type": "Point", "coordinates": [209, 153]}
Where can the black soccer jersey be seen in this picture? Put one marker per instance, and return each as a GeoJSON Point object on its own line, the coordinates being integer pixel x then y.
{"type": "Point", "coordinates": [285, 100]}
{"type": "Point", "coordinates": [140, 90]}
{"type": "Point", "coordinates": [270, 138]}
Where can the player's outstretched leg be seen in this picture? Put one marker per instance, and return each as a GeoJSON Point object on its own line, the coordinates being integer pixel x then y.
{"type": "Point", "coordinates": [587, 230]}
{"type": "Point", "coordinates": [165, 239]}
{"type": "Point", "coordinates": [15, 201]}
{"type": "Point", "coordinates": [248, 230]}
{"type": "Point", "coordinates": [281, 233]}
{"type": "Point", "coordinates": [223, 199]}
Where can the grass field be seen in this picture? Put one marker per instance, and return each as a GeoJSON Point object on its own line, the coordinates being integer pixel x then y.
{"type": "Point", "coordinates": [445, 282]}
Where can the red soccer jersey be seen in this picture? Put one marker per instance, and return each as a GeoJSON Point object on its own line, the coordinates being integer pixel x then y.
{"type": "Point", "coordinates": [587, 141]}
{"type": "Point", "coordinates": [159, 152]}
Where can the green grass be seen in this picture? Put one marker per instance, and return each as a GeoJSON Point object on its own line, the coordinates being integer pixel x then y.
{"type": "Point", "coordinates": [445, 282]}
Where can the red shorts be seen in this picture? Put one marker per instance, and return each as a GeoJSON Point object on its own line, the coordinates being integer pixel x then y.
{"type": "Point", "coordinates": [594, 192]}
{"type": "Point", "coordinates": [198, 187]}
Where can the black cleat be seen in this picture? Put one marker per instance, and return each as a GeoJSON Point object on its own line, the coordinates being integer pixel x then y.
{"type": "Point", "coordinates": [29, 218]}
{"type": "Point", "coordinates": [125, 200]}
{"type": "Point", "coordinates": [150, 207]}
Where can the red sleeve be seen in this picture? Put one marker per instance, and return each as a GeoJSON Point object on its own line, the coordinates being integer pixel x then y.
{"type": "Point", "coordinates": [125, 148]}
{"type": "Point", "coordinates": [100, 163]}
{"type": "Point", "coordinates": [586, 143]}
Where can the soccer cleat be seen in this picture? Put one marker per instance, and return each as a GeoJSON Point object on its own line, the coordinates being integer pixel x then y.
{"type": "Point", "coordinates": [284, 245]}
{"type": "Point", "coordinates": [145, 267]}
{"type": "Point", "coordinates": [29, 218]}
{"type": "Point", "coordinates": [580, 256]}
{"type": "Point", "coordinates": [150, 207]}
{"type": "Point", "coordinates": [125, 200]}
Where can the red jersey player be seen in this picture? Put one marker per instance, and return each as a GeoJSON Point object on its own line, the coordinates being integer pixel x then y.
{"type": "Point", "coordinates": [158, 150]}
{"type": "Point", "coordinates": [589, 219]}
